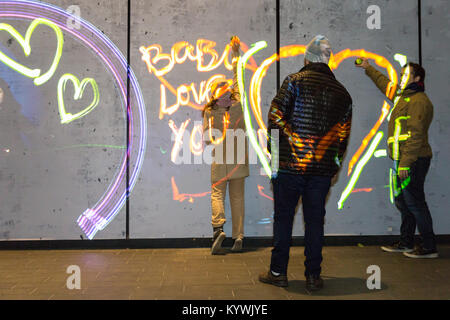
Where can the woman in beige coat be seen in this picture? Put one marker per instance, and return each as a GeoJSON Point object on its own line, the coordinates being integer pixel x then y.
{"type": "Point", "coordinates": [223, 125]}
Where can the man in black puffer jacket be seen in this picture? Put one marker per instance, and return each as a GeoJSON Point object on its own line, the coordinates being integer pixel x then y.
{"type": "Point", "coordinates": [312, 113]}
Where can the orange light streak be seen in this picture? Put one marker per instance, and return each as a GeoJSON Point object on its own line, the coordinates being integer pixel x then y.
{"type": "Point", "coordinates": [362, 190]}
{"type": "Point", "coordinates": [262, 137]}
{"type": "Point", "coordinates": [390, 91]}
{"type": "Point", "coordinates": [260, 190]}
{"type": "Point", "coordinates": [226, 123]}
{"type": "Point", "coordinates": [177, 196]}
{"type": "Point", "coordinates": [335, 61]}
{"type": "Point", "coordinates": [260, 73]}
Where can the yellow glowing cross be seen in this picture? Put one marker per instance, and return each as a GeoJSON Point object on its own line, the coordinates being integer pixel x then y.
{"type": "Point", "coordinates": [398, 137]}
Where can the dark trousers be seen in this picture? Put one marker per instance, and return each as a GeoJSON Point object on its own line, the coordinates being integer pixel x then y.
{"type": "Point", "coordinates": [414, 209]}
{"type": "Point", "coordinates": [287, 189]}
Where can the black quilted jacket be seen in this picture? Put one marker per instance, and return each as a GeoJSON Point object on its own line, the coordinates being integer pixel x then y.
{"type": "Point", "coordinates": [312, 112]}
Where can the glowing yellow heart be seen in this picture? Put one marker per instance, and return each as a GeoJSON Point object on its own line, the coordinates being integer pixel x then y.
{"type": "Point", "coordinates": [79, 89]}
{"type": "Point", "coordinates": [25, 43]}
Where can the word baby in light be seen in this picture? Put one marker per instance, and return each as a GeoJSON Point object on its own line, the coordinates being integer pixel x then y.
{"type": "Point", "coordinates": [180, 52]}
{"type": "Point", "coordinates": [194, 96]}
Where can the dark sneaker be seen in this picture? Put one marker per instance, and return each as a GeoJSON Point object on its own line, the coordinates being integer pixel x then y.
{"type": "Point", "coordinates": [421, 253]}
{"type": "Point", "coordinates": [397, 247]}
{"type": "Point", "coordinates": [314, 283]}
{"type": "Point", "coordinates": [268, 277]}
{"type": "Point", "coordinates": [218, 238]}
{"type": "Point", "coordinates": [237, 246]}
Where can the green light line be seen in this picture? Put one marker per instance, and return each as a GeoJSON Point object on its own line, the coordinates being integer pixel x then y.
{"type": "Point", "coordinates": [359, 167]}
{"type": "Point", "coordinates": [391, 192]}
{"type": "Point", "coordinates": [244, 102]}
{"type": "Point", "coordinates": [92, 146]}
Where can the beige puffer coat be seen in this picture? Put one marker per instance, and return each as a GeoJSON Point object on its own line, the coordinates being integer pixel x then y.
{"type": "Point", "coordinates": [237, 166]}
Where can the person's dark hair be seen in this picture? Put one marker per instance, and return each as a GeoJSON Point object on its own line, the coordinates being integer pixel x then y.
{"type": "Point", "coordinates": [417, 70]}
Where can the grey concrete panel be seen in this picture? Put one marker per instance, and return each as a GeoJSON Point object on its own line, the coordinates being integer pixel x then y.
{"type": "Point", "coordinates": [435, 48]}
{"type": "Point", "coordinates": [344, 23]}
{"type": "Point", "coordinates": [154, 212]}
{"type": "Point", "coordinates": [50, 172]}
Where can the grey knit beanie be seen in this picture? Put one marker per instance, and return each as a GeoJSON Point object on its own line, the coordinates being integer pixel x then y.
{"type": "Point", "coordinates": [318, 50]}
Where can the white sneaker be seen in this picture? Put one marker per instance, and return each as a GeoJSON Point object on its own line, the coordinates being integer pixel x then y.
{"type": "Point", "coordinates": [217, 245]}
{"type": "Point", "coordinates": [237, 246]}
{"type": "Point", "coordinates": [421, 253]}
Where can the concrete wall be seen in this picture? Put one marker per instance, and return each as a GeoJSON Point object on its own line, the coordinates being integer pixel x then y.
{"type": "Point", "coordinates": [435, 46]}
{"type": "Point", "coordinates": [155, 213]}
{"type": "Point", "coordinates": [345, 25]}
{"type": "Point", "coordinates": [55, 171]}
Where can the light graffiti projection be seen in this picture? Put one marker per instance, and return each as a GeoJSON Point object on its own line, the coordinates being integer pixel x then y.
{"type": "Point", "coordinates": [103, 212]}
{"type": "Point", "coordinates": [226, 123]}
{"type": "Point", "coordinates": [79, 89]}
{"type": "Point", "coordinates": [180, 53]}
{"type": "Point", "coordinates": [244, 102]}
{"type": "Point", "coordinates": [335, 60]}
{"type": "Point", "coordinates": [261, 192]}
{"type": "Point", "coordinates": [152, 55]}
{"type": "Point", "coordinates": [362, 190]}
{"type": "Point", "coordinates": [395, 140]}
{"type": "Point", "coordinates": [259, 72]}
{"type": "Point", "coordinates": [39, 78]}
{"type": "Point", "coordinates": [385, 114]}
{"type": "Point", "coordinates": [359, 167]}
{"type": "Point", "coordinates": [178, 138]}
{"type": "Point", "coordinates": [380, 153]}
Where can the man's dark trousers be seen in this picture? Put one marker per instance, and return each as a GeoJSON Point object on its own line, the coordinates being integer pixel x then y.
{"type": "Point", "coordinates": [414, 209]}
{"type": "Point", "coordinates": [287, 189]}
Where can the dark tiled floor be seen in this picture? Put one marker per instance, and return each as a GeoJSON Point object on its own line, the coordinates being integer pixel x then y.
{"type": "Point", "coordinates": [194, 274]}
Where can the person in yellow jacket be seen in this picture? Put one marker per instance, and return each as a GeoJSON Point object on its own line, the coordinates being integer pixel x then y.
{"type": "Point", "coordinates": [409, 148]}
{"type": "Point", "coordinates": [222, 121]}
